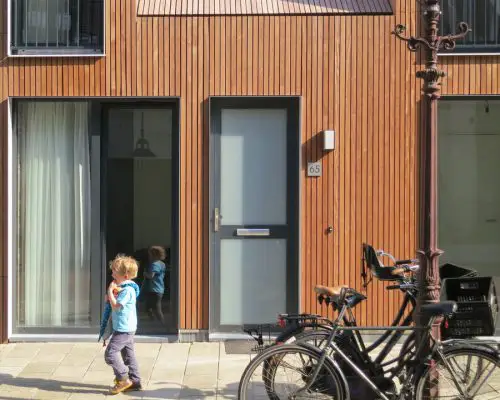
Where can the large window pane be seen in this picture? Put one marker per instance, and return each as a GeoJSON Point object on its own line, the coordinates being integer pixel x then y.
{"type": "Point", "coordinates": [469, 187]}
{"type": "Point", "coordinates": [57, 25]}
{"type": "Point", "coordinates": [253, 188]}
{"type": "Point", "coordinates": [482, 16]}
{"type": "Point", "coordinates": [53, 276]}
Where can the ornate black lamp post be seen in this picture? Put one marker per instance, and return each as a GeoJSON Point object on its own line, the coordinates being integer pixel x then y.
{"type": "Point", "coordinates": [432, 43]}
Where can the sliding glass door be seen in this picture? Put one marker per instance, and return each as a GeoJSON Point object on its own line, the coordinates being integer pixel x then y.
{"type": "Point", "coordinates": [54, 284]}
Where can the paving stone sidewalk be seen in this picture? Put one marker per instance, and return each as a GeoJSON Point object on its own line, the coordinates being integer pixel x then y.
{"type": "Point", "coordinates": [78, 371]}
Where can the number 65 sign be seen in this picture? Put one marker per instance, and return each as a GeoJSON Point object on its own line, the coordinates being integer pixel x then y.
{"type": "Point", "coordinates": [314, 168]}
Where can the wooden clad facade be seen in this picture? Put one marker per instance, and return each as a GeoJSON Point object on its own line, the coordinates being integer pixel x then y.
{"type": "Point", "coordinates": [351, 76]}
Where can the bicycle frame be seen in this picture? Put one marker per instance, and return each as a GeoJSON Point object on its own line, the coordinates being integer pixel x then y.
{"type": "Point", "coordinates": [332, 348]}
{"type": "Point", "coordinates": [394, 332]}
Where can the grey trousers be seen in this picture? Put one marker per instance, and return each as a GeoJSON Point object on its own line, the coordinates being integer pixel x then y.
{"type": "Point", "coordinates": [120, 354]}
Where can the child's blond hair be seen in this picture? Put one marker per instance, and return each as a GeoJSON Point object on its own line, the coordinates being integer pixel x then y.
{"type": "Point", "coordinates": [125, 265]}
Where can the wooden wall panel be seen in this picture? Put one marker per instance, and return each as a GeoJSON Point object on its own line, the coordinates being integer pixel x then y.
{"type": "Point", "coordinates": [352, 76]}
{"type": "Point", "coordinates": [471, 75]}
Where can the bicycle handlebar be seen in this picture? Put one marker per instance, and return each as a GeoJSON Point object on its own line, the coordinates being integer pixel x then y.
{"type": "Point", "coordinates": [404, 268]}
{"type": "Point", "coordinates": [402, 286]}
{"type": "Point", "coordinates": [411, 261]}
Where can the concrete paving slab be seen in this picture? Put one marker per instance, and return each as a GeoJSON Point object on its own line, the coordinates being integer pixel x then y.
{"type": "Point", "coordinates": [200, 381]}
{"type": "Point", "coordinates": [34, 375]}
{"type": "Point", "coordinates": [18, 393]}
{"type": "Point", "coordinates": [62, 371]}
{"type": "Point", "coordinates": [87, 396]}
{"type": "Point", "coordinates": [53, 348]}
{"type": "Point", "coordinates": [76, 361]}
{"type": "Point", "coordinates": [160, 390]}
{"type": "Point", "coordinates": [173, 376]}
{"type": "Point", "coordinates": [195, 393]}
{"type": "Point", "coordinates": [7, 373]}
{"type": "Point", "coordinates": [25, 350]}
{"type": "Point", "coordinates": [50, 395]}
{"type": "Point", "coordinates": [41, 367]}
{"type": "Point", "coordinates": [199, 368]}
{"type": "Point", "coordinates": [49, 357]}
{"type": "Point", "coordinates": [99, 377]}
{"type": "Point", "coordinates": [15, 362]}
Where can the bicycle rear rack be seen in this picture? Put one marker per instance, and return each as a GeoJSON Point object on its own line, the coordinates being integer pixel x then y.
{"type": "Point", "coordinates": [262, 334]}
{"type": "Point", "coordinates": [265, 334]}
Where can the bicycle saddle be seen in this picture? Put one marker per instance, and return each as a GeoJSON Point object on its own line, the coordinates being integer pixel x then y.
{"type": "Point", "coordinates": [441, 308]}
{"type": "Point", "coordinates": [333, 291]}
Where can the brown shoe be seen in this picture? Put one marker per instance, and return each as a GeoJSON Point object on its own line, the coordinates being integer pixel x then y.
{"type": "Point", "coordinates": [121, 386]}
{"type": "Point", "coordinates": [136, 386]}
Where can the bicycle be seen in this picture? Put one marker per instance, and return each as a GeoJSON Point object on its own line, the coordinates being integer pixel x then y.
{"type": "Point", "coordinates": [319, 375]}
{"type": "Point", "coordinates": [314, 329]}
{"type": "Point", "coordinates": [351, 342]}
{"type": "Point", "coordinates": [303, 327]}
{"type": "Point", "coordinates": [298, 325]}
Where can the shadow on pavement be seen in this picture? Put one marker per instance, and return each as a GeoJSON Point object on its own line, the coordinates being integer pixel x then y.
{"type": "Point", "coordinates": [160, 390]}
{"type": "Point", "coordinates": [53, 385]}
{"type": "Point", "coordinates": [171, 390]}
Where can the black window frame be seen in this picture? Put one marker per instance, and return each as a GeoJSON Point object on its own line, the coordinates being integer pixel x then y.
{"type": "Point", "coordinates": [479, 16]}
{"type": "Point", "coordinates": [85, 36]}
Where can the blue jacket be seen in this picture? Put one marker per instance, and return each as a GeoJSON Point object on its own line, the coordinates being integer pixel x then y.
{"type": "Point", "coordinates": [106, 327]}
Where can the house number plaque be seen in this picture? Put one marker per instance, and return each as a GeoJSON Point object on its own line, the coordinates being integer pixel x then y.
{"type": "Point", "coordinates": [314, 168]}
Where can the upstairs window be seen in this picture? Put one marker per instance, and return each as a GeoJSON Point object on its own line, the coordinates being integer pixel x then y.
{"type": "Point", "coordinates": [57, 27]}
{"type": "Point", "coordinates": [482, 16]}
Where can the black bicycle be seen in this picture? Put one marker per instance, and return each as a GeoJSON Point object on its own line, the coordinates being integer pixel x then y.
{"type": "Point", "coordinates": [453, 369]}
{"type": "Point", "coordinates": [313, 328]}
{"type": "Point", "coordinates": [296, 326]}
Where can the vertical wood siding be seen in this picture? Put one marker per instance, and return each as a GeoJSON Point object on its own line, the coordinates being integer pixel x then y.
{"type": "Point", "coordinates": [352, 75]}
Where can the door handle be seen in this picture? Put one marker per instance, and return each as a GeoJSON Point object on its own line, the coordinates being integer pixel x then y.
{"type": "Point", "coordinates": [216, 219]}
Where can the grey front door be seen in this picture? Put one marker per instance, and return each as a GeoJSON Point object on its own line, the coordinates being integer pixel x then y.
{"type": "Point", "coordinates": [254, 210]}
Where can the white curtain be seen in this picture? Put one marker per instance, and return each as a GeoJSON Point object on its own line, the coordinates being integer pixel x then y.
{"type": "Point", "coordinates": [54, 214]}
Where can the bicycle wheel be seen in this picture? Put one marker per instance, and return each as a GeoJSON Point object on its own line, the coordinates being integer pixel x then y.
{"type": "Point", "coordinates": [291, 366]}
{"type": "Point", "coordinates": [317, 339]}
{"type": "Point", "coordinates": [467, 374]}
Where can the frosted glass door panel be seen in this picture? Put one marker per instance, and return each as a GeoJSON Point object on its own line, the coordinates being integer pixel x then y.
{"type": "Point", "coordinates": [253, 281]}
{"type": "Point", "coordinates": [253, 166]}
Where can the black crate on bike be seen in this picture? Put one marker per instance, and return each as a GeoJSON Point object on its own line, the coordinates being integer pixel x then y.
{"type": "Point", "coordinates": [470, 320]}
{"type": "Point", "coordinates": [477, 307]}
{"type": "Point", "coordinates": [449, 270]}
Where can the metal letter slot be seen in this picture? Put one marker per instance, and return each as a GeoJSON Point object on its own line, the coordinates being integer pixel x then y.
{"type": "Point", "coordinates": [252, 232]}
